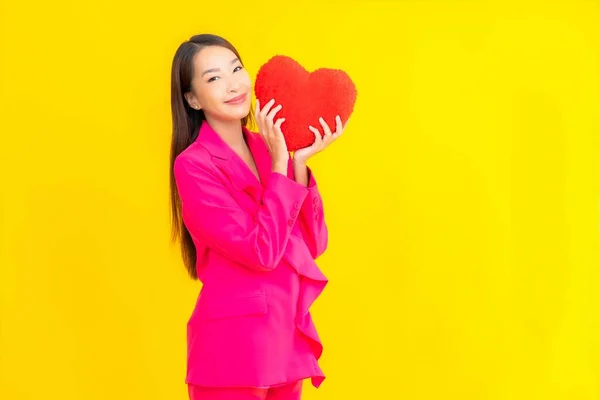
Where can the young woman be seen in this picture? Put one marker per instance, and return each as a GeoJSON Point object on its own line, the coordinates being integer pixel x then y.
{"type": "Point", "coordinates": [250, 221]}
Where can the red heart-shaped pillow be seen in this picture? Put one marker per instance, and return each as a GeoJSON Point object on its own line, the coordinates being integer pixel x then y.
{"type": "Point", "coordinates": [305, 96]}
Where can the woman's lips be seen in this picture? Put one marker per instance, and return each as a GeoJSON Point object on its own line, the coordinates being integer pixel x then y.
{"type": "Point", "coordinates": [237, 100]}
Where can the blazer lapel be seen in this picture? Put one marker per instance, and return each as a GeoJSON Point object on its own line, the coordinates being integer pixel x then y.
{"type": "Point", "coordinates": [260, 153]}
{"type": "Point", "coordinates": [232, 165]}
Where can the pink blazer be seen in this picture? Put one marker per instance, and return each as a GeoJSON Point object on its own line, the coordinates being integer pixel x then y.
{"type": "Point", "coordinates": [256, 244]}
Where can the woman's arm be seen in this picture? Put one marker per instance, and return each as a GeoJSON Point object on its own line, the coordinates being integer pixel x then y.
{"type": "Point", "coordinates": [312, 218]}
{"type": "Point", "coordinates": [212, 215]}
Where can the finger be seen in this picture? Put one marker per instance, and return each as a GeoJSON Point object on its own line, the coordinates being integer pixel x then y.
{"type": "Point", "coordinates": [257, 115]}
{"type": "Point", "coordinates": [274, 111]}
{"type": "Point", "coordinates": [326, 129]}
{"type": "Point", "coordinates": [267, 107]}
{"type": "Point", "coordinates": [257, 110]}
{"type": "Point", "coordinates": [338, 125]}
{"type": "Point", "coordinates": [277, 126]}
{"type": "Point", "coordinates": [268, 122]}
{"type": "Point", "coordinates": [318, 138]}
{"type": "Point", "coordinates": [339, 129]}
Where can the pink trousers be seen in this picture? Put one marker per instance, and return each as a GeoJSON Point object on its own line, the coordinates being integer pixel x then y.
{"type": "Point", "coordinates": [290, 391]}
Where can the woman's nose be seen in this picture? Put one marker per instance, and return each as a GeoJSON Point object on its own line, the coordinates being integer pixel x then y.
{"type": "Point", "coordinates": [233, 85]}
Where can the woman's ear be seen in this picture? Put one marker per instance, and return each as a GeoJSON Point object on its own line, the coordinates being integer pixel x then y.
{"type": "Point", "coordinates": [192, 101]}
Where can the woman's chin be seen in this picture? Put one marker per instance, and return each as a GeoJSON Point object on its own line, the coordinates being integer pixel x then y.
{"type": "Point", "coordinates": [238, 112]}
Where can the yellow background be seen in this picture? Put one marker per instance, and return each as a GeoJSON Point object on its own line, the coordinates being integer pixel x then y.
{"type": "Point", "coordinates": [463, 201]}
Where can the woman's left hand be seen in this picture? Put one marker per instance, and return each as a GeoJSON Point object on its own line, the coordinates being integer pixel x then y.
{"type": "Point", "coordinates": [321, 143]}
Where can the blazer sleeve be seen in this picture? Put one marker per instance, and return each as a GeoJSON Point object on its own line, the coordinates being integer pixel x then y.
{"type": "Point", "coordinates": [211, 214]}
{"type": "Point", "coordinates": [312, 219]}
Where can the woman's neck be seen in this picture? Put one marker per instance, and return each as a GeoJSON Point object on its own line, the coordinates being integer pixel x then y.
{"type": "Point", "coordinates": [230, 131]}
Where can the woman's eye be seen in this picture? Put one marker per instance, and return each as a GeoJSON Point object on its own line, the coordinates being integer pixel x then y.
{"type": "Point", "coordinates": [238, 68]}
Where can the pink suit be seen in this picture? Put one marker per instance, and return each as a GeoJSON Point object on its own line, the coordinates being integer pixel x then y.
{"type": "Point", "coordinates": [256, 245]}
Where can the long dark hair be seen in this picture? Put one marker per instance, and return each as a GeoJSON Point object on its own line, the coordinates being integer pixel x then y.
{"type": "Point", "coordinates": [186, 124]}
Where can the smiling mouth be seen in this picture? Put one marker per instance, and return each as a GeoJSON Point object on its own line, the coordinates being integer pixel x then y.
{"type": "Point", "coordinates": [237, 99]}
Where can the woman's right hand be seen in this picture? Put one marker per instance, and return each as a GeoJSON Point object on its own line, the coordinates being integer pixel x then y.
{"type": "Point", "coordinates": [272, 135]}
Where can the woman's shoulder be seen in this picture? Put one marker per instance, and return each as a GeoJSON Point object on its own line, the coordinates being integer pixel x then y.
{"type": "Point", "coordinates": [194, 157]}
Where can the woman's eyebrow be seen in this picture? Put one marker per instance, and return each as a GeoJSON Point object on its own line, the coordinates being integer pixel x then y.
{"type": "Point", "coordinates": [218, 69]}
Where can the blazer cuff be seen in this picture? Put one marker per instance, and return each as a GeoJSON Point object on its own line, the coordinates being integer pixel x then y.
{"type": "Point", "coordinates": [312, 207]}
{"type": "Point", "coordinates": [291, 193]}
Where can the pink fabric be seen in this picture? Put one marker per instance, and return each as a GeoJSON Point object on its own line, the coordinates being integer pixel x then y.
{"type": "Point", "coordinates": [257, 243]}
{"type": "Point", "coordinates": [291, 391]}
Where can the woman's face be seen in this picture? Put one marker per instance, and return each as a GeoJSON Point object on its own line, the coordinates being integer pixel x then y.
{"type": "Point", "coordinates": [221, 87]}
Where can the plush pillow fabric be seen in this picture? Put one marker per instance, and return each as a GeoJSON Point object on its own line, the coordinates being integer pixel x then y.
{"type": "Point", "coordinates": [305, 96]}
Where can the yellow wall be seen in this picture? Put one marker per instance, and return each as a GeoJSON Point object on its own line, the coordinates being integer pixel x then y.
{"type": "Point", "coordinates": [463, 201]}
